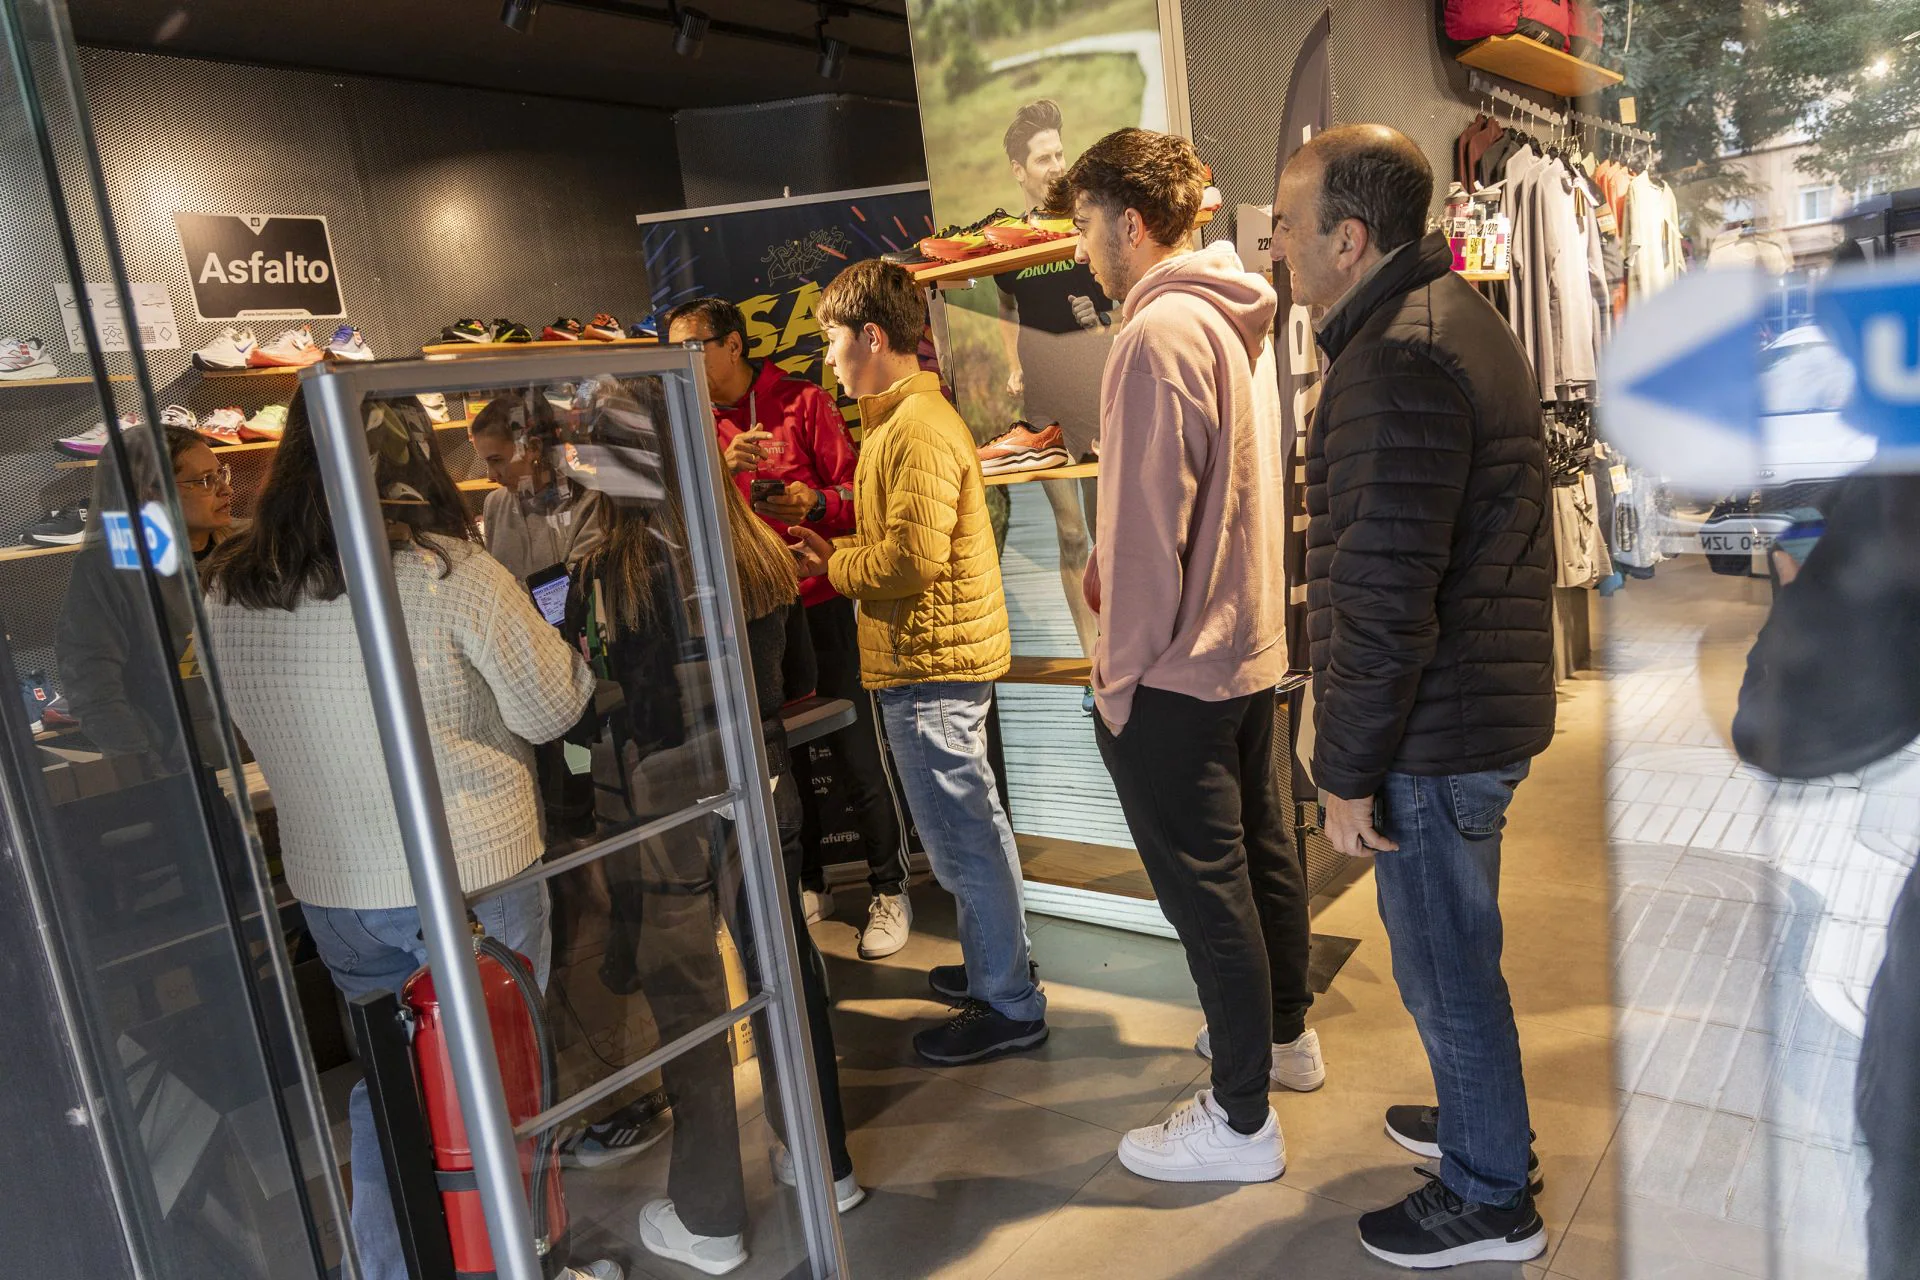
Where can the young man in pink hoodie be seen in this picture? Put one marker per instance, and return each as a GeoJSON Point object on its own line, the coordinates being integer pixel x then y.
{"type": "Point", "coordinates": [1188, 583]}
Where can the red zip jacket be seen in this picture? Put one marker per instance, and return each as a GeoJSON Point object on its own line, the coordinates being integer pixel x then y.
{"type": "Point", "coordinates": [820, 454]}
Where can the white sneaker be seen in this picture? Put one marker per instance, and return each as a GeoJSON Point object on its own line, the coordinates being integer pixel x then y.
{"type": "Point", "coordinates": [435, 403]}
{"type": "Point", "coordinates": [664, 1235]}
{"type": "Point", "coordinates": [1196, 1144]}
{"type": "Point", "coordinates": [1297, 1066]}
{"type": "Point", "coordinates": [347, 344]}
{"type": "Point", "coordinates": [293, 349]}
{"type": "Point", "coordinates": [24, 359]}
{"type": "Point", "coordinates": [847, 1191]}
{"type": "Point", "coordinates": [605, 1269]}
{"type": "Point", "coordinates": [816, 906]}
{"type": "Point", "coordinates": [228, 351]}
{"type": "Point", "coordinates": [889, 921]}
{"type": "Point", "coordinates": [178, 415]}
{"type": "Point", "coordinates": [223, 426]}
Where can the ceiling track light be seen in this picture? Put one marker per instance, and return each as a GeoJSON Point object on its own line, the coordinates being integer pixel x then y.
{"type": "Point", "coordinates": [833, 50]}
{"type": "Point", "coordinates": [518, 14]}
{"type": "Point", "coordinates": [689, 29]}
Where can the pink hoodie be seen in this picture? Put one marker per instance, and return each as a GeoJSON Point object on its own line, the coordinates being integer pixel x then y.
{"type": "Point", "coordinates": [1188, 550]}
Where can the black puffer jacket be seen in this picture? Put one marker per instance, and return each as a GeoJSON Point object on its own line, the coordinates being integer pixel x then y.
{"type": "Point", "coordinates": [1429, 541]}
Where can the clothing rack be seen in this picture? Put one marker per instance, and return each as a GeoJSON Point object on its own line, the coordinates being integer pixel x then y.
{"type": "Point", "coordinates": [1486, 88]}
{"type": "Point", "coordinates": [1609, 126]}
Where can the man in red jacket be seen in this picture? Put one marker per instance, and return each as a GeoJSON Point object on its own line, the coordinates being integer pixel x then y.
{"type": "Point", "coordinates": [775, 428]}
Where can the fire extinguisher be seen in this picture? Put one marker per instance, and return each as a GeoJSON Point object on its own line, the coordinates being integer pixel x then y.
{"type": "Point", "coordinates": [529, 1078]}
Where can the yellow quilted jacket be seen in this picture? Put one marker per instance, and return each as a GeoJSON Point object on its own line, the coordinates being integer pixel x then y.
{"type": "Point", "coordinates": [921, 560]}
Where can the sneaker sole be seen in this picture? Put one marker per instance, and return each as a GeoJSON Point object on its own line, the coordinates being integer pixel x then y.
{"type": "Point", "coordinates": [1431, 1150]}
{"type": "Point", "coordinates": [32, 373]}
{"type": "Point", "coordinates": [1000, 1050]}
{"type": "Point", "coordinates": [1043, 460]}
{"type": "Point", "coordinates": [55, 539]}
{"type": "Point", "coordinates": [1206, 1173]}
{"type": "Point", "coordinates": [660, 1249]}
{"type": "Point", "coordinates": [852, 1202]}
{"type": "Point", "coordinates": [1479, 1251]}
{"type": "Point", "coordinates": [881, 953]}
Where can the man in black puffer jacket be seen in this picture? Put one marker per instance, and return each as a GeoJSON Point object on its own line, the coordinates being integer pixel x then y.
{"type": "Point", "coordinates": [1429, 597]}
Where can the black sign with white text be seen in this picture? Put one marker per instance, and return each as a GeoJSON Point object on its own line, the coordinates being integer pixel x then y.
{"type": "Point", "coordinates": [247, 265]}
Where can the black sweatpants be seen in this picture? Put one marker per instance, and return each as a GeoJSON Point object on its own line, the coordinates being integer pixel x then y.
{"type": "Point", "coordinates": [836, 650]}
{"type": "Point", "coordinates": [1199, 785]}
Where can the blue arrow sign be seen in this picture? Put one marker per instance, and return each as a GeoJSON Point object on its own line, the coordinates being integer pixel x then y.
{"type": "Point", "coordinates": [1873, 317]}
{"type": "Point", "coordinates": [156, 529]}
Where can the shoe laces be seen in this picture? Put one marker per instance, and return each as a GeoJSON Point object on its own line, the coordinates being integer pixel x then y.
{"type": "Point", "coordinates": [1434, 1203]}
{"type": "Point", "coordinates": [885, 908]}
{"type": "Point", "coordinates": [1190, 1119]}
{"type": "Point", "coordinates": [969, 1013]}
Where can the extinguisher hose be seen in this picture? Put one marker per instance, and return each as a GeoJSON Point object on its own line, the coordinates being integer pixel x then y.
{"type": "Point", "coordinates": [543, 1146]}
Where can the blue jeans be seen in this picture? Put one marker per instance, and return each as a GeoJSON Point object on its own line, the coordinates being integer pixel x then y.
{"type": "Point", "coordinates": [1440, 899]}
{"type": "Point", "coordinates": [369, 951]}
{"type": "Point", "coordinates": [939, 738]}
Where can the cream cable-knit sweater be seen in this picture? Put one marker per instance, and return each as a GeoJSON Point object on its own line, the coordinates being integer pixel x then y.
{"type": "Point", "coordinates": [494, 676]}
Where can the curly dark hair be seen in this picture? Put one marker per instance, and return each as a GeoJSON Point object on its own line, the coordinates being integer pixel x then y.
{"type": "Point", "coordinates": [1157, 175]}
{"type": "Point", "coordinates": [1029, 123]}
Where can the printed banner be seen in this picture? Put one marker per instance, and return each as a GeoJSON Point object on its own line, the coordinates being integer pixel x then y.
{"type": "Point", "coordinates": [259, 265]}
{"type": "Point", "coordinates": [772, 260]}
{"type": "Point", "coordinates": [1309, 110]}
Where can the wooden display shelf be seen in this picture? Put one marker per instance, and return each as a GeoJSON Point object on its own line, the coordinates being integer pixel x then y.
{"type": "Point", "coordinates": [1078, 471]}
{"type": "Point", "coordinates": [1533, 63]}
{"type": "Point", "coordinates": [959, 274]}
{"type": "Point", "coordinates": [34, 553]}
{"type": "Point", "coordinates": [1060, 671]}
{"type": "Point", "coordinates": [477, 486]}
{"type": "Point", "coordinates": [1484, 277]}
{"type": "Point", "coordinates": [60, 382]}
{"type": "Point", "coordinates": [220, 450]}
{"type": "Point", "coordinates": [468, 348]}
{"type": "Point", "coordinates": [273, 371]}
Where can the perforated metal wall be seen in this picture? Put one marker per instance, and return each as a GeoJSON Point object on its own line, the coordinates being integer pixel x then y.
{"type": "Point", "coordinates": [829, 142]}
{"type": "Point", "coordinates": [1387, 67]}
{"type": "Point", "coordinates": [441, 202]}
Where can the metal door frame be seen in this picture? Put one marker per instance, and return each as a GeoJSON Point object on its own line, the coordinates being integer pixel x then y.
{"type": "Point", "coordinates": [334, 396]}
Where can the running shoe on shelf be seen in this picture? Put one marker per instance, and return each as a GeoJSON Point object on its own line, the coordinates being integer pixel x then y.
{"type": "Point", "coordinates": [64, 527]}
{"type": "Point", "coordinates": [565, 329]}
{"type": "Point", "coordinates": [509, 331]}
{"type": "Point", "coordinates": [90, 443]}
{"type": "Point", "coordinates": [1023, 447]}
{"type": "Point", "coordinates": [223, 427]}
{"type": "Point", "coordinates": [909, 257]}
{"type": "Point", "coordinates": [648, 328]}
{"type": "Point", "coordinates": [268, 424]}
{"type": "Point", "coordinates": [178, 415]}
{"type": "Point", "coordinates": [228, 351]}
{"type": "Point", "coordinates": [466, 331]}
{"type": "Point", "coordinates": [24, 359]}
{"type": "Point", "coordinates": [435, 403]}
{"type": "Point", "coordinates": [293, 349]}
{"type": "Point", "coordinates": [59, 717]}
{"type": "Point", "coordinates": [603, 328]}
{"type": "Point", "coordinates": [347, 344]}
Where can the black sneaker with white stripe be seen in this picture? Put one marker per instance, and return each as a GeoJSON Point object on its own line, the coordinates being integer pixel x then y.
{"type": "Point", "coordinates": [626, 1133]}
{"type": "Point", "coordinates": [1434, 1228]}
{"type": "Point", "coordinates": [1418, 1130]}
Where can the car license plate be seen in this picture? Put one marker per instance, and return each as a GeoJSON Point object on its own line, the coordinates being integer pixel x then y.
{"type": "Point", "coordinates": [1734, 544]}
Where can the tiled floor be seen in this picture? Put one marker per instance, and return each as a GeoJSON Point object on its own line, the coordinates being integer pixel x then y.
{"type": "Point", "coordinates": [1007, 1169]}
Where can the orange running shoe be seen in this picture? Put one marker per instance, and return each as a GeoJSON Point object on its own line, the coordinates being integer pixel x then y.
{"type": "Point", "coordinates": [1022, 447]}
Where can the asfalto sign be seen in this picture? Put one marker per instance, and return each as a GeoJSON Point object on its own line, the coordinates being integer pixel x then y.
{"type": "Point", "coordinates": [259, 265]}
{"type": "Point", "coordinates": [1681, 383]}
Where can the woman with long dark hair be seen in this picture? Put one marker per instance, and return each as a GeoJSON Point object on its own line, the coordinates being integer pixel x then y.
{"type": "Point", "coordinates": [494, 677]}
{"type": "Point", "coordinates": [632, 600]}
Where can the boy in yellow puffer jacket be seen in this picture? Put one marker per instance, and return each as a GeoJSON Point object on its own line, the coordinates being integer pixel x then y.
{"type": "Point", "coordinates": [933, 638]}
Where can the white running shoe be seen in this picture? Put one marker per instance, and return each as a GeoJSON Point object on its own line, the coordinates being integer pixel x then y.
{"type": "Point", "coordinates": [22, 359]}
{"type": "Point", "coordinates": [90, 443]}
{"type": "Point", "coordinates": [1297, 1066]}
{"type": "Point", "coordinates": [889, 922]}
{"type": "Point", "coordinates": [347, 344]}
{"type": "Point", "coordinates": [1196, 1144]}
{"type": "Point", "coordinates": [223, 427]}
{"type": "Point", "coordinates": [604, 1269]}
{"type": "Point", "coordinates": [293, 349]}
{"type": "Point", "coordinates": [816, 905]}
{"type": "Point", "coordinates": [664, 1235]}
{"type": "Point", "coordinates": [268, 424]}
{"type": "Point", "coordinates": [228, 351]}
{"type": "Point", "coordinates": [178, 415]}
{"type": "Point", "coordinates": [435, 403]}
{"type": "Point", "coordinates": [847, 1191]}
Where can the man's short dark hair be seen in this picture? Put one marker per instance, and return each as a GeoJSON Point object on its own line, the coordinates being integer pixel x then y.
{"type": "Point", "coordinates": [721, 316]}
{"type": "Point", "coordinates": [1155, 174]}
{"type": "Point", "coordinates": [1033, 120]}
{"type": "Point", "coordinates": [1376, 175]}
{"type": "Point", "coordinates": [877, 293]}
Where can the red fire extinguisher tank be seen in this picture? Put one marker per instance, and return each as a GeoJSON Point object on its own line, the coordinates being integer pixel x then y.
{"type": "Point", "coordinates": [516, 1041]}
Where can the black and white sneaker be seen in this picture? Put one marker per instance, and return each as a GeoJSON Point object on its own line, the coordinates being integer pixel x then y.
{"type": "Point", "coordinates": [66, 527]}
{"type": "Point", "coordinates": [1435, 1228]}
{"type": "Point", "coordinates": [1418, 1130]}
{"type": "Point", "coordinates": [949, 981]}
{"type": "Point", "coordinates": [624, 1134]}
{"type": "Point", "coordinates": [978, 1032]}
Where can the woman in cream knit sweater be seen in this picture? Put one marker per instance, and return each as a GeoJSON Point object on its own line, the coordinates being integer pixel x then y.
{"type": "Point", "coordinates": [494, 677]}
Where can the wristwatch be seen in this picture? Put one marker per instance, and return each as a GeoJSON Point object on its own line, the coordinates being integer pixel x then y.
{"type": "Point", "coordinates": [819, 511]}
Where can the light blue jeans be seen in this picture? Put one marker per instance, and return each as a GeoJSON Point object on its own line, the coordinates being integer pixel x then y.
{"type": "Point", "coordinates": [369, 951]}
{"type": "Point", "coordinates": [938, 733]}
